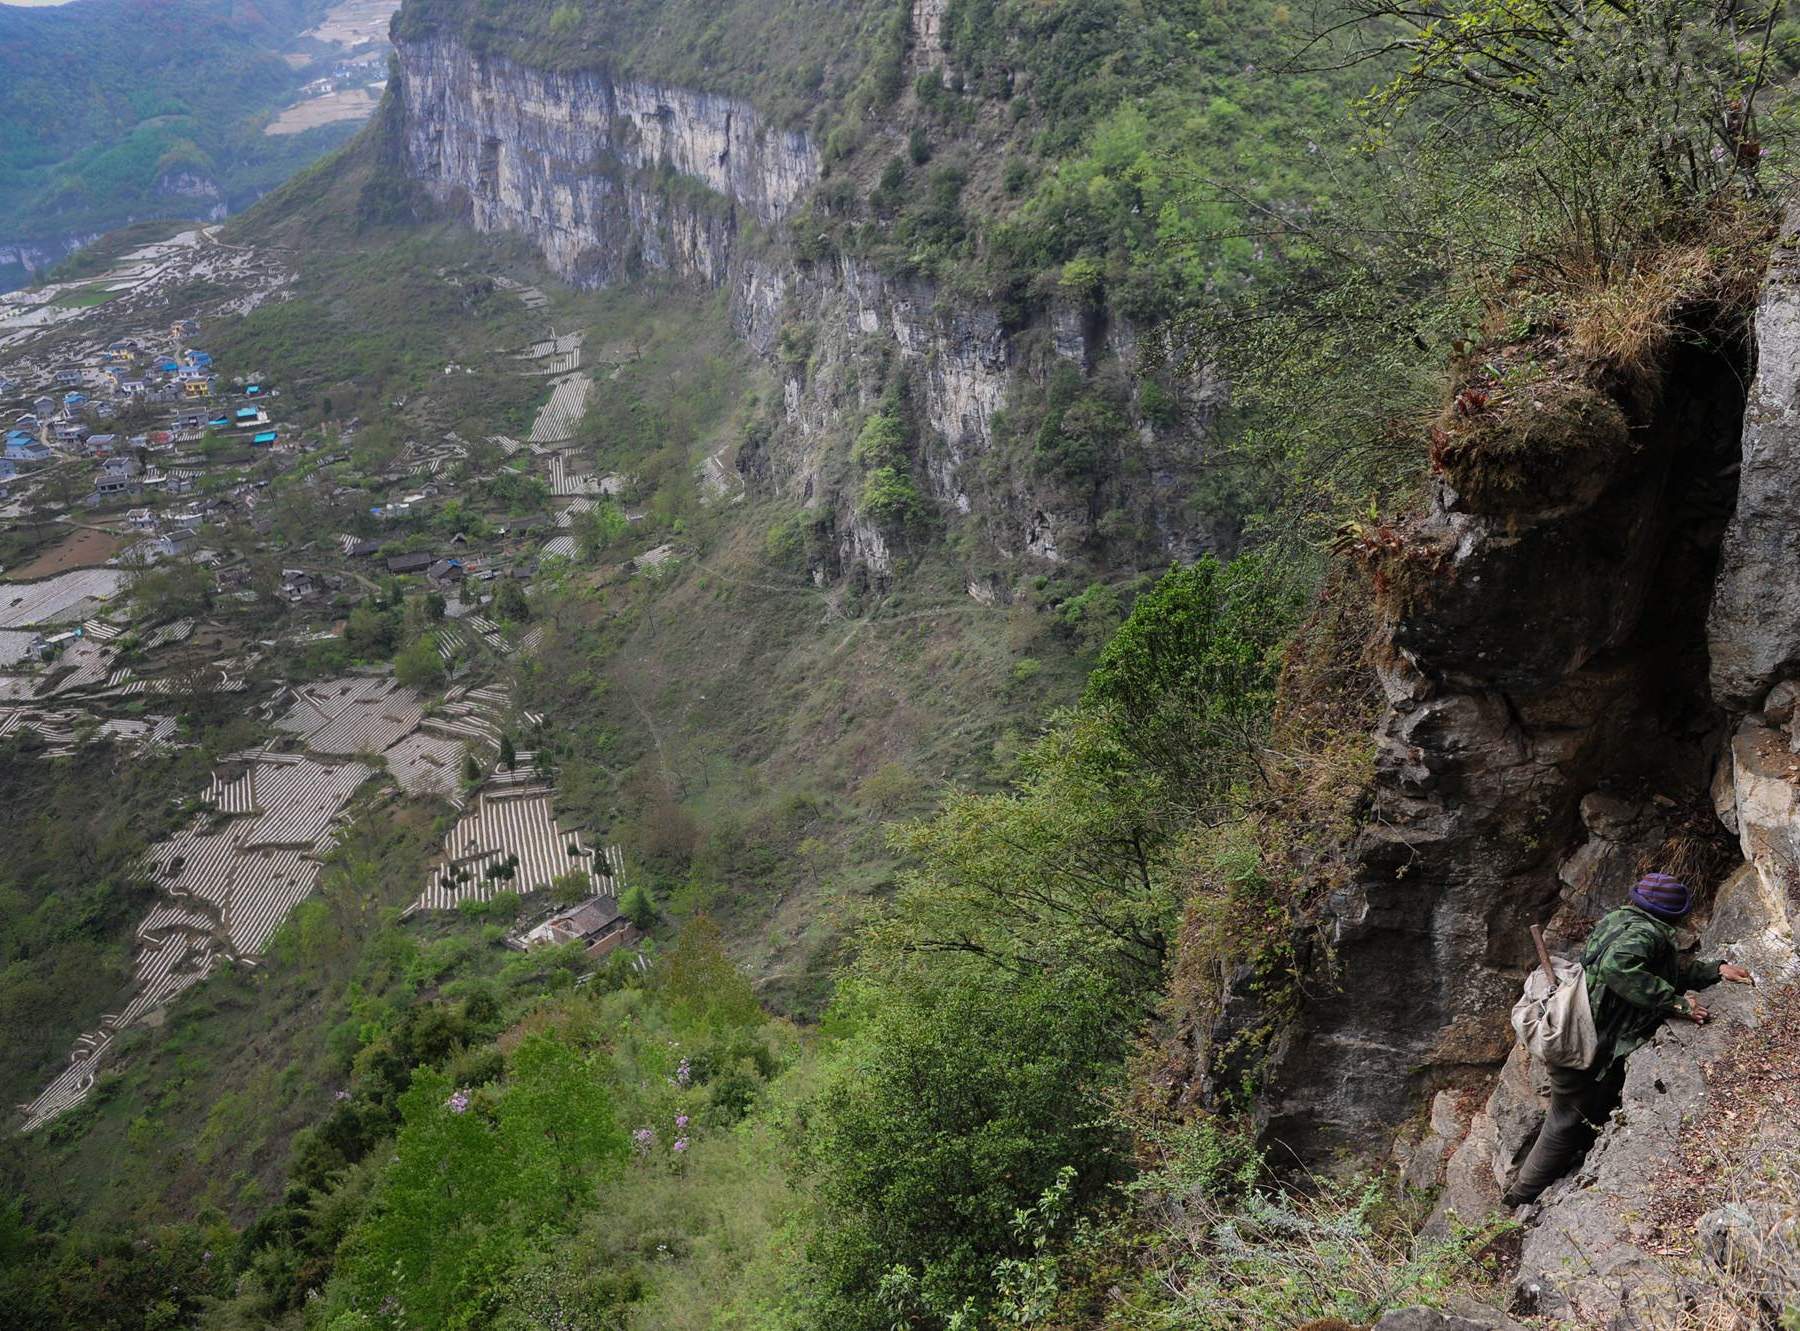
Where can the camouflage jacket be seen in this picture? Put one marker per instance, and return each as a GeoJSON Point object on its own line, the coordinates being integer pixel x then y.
{"type": "Point", "coordinates": [1635, 978]}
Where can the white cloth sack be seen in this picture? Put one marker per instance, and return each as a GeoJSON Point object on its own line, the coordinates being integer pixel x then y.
{"type": "Point", "coordinates": [1556, 1026]}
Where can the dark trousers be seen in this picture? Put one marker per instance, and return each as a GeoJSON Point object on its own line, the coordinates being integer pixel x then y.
{"type": "Point", "coordinates": [1581, 1099]}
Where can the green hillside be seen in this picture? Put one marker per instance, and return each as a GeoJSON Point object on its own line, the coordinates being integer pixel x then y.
{"type": "Point", "coordinates": [981, 900]}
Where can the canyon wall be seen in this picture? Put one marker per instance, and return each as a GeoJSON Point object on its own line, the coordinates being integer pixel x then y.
{"type": "Point", "coordinates": [579, 162]}
{"type": "Point", "coordinates": [613, 178]}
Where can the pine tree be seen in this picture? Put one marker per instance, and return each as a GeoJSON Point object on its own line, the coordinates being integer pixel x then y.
{"type": "Point", "coordinates": [507, 756]}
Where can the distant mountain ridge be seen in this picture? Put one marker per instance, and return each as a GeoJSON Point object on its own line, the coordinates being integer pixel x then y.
{"type": "Point", "coordinates": [120, 110]}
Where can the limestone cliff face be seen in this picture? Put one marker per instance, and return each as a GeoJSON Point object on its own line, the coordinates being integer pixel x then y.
{"type": "Point", "coordinates": [965, 363]}
{"type": "Point", "coordinates": [580, 162]}
{"type": "Point", "coordinates": [1545, 670]}
{"type": "Point", "coordinates": [611, 177]}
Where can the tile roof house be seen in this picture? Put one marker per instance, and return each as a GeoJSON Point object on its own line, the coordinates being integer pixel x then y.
{"type": "Point", "coordinates": [596, 923]}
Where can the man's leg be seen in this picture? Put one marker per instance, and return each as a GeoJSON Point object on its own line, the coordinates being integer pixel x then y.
{"type": "Point", "coordinates": [1579, 1103]}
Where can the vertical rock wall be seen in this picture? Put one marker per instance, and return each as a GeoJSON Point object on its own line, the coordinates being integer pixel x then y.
{"type": "Point", "coordinates": [612, 177]}
{"type": "Point", "coordinates": [1675, 1206]}
{"type": "Point", "coordinates": [1548, 716]}
{"type": "Point", "coordinates": [582, 164]}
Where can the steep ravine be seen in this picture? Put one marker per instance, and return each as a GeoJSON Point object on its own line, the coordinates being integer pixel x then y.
{"type": "Point", "coordinates": [613, 179]}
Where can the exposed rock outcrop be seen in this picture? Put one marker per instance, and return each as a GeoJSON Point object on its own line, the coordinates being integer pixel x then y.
{"type": "Point", "coordinates": [1548, 711]}
{"type": "Point", "coordinates": [1755, 621]}
{"type": "Point", "coordinates": [606, 176]}
{"type": "Point", "coordinates": [1544, 744]}
{"type": "Point", "coordinates": [1461, 1315]}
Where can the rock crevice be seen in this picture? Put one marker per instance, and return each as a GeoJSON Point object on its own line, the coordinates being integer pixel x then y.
{"type": "Point", "coordinates": [1590, 691]}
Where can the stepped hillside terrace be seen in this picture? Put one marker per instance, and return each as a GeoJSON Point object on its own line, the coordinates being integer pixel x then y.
{"type": "Point", "coordinates": [156, 568]}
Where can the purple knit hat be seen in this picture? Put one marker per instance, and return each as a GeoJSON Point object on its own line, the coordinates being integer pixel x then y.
{"type": "Point", "coordinates": [1663, 896]}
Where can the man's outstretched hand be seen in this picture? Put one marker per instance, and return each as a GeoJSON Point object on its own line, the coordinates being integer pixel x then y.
{"type": "Point", "coordinates": [1727, 971]}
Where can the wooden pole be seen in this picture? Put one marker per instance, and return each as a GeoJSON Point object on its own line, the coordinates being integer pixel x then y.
{"type": "Point", "coordinates": [1537, 939]}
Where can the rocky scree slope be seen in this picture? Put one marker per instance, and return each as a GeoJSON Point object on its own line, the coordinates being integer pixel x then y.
{"type": "Point", "coordinates": [1590, 663]}
{"type": "Point", "coordinates": [615, 177]}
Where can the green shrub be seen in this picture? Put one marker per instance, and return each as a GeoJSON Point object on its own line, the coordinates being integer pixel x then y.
{"type": "Point", "coordinates": [880, 443]}
{"type": "Point", "coordinates": [890, 498]}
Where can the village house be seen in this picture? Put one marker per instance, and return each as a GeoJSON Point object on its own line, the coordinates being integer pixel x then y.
{"type": "Point", "coordinates": [22, 447]}
{"type": "Point", "coordinates": [418, 562]}
{"type": "Point", "coordinates": [115, 487]}
{"type": "Point", "coordinates": [445, 573]}
{"type": "Point", "coordinates": [44, 646]}
{"type": "Point", "coordinates": [596, 924]}
{"type": "Point", "coordinates": [173, 543]}
{"type": "Point", "coordinates": [298, 585]}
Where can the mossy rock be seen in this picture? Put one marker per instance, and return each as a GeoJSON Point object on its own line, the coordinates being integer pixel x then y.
{"type": "Point", "coordinates": [1551, 445]}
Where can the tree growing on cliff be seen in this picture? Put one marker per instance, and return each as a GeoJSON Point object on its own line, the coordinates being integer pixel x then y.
{"type": "Point", "coordinates": [1188, 681]}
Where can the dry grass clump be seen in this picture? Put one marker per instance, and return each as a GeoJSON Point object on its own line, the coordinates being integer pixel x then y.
{"type": "Point", "coordinates": [1627, 321]}
{"type": "Point", "coordinates": [1623, 317]}
{"type": "Point", "coordinates": [1569, 350]}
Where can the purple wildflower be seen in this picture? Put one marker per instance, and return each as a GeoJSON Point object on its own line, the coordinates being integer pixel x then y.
{"type": "Point", "coordinates": [458, 1103]}
{"type": "Point", "coordinates": [680, 1144]}
{"type": "Point", "coordinates": [644, 1138]}
{"type": "Point", "coordinates": [681, 1120]}
{"type": "Point", "coordinates": [683, 1073]}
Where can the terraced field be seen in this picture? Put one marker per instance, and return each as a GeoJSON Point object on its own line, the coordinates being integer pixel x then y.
{"type": "Point", "coordinates": [228, 881]}
{"type": "Point", "coordinates": [66, 598]}
{"type": "Point", "coordinates": [557, 418]}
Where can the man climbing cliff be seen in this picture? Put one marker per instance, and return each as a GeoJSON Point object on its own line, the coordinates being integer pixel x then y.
{"type": "Point", "coordinates": [1635, 978]}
